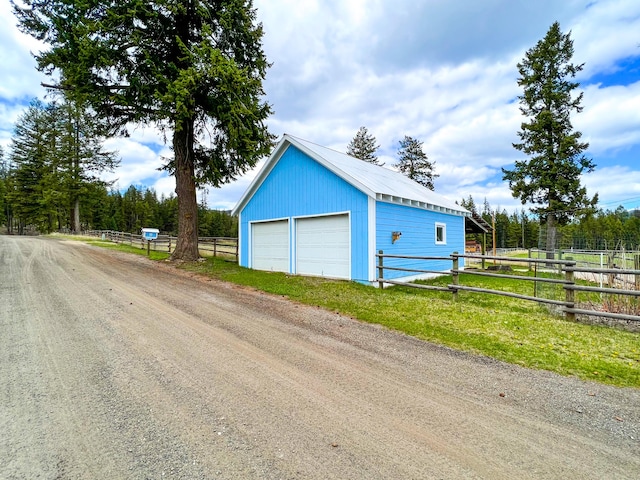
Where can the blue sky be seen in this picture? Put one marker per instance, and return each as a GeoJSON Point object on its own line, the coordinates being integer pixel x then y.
{"type": "Point", "coordinates": [442, 72]}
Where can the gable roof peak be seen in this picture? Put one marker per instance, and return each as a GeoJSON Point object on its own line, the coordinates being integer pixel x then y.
{"type": "Point", "coordinates": [376, 181]}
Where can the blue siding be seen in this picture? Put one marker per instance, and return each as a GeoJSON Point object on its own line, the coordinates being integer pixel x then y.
{"type": "Point", "coordinates": [418, 237]}
{"type": "Point", "coordinates": [299, 186]}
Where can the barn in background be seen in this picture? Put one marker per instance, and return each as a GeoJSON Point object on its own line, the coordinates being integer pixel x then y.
{"type": "Point", "coordinates": [315, 211]}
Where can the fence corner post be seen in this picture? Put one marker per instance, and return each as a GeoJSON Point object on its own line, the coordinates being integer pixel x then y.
{"type": "Point", "coordinates": [454, 275]}
{"type": "Point", "coordinates": [570, 293]}
{"type": "Point", "coordinates": [380, 269]}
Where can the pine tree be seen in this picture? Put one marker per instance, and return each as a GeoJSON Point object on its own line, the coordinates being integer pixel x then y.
{"type": "Point", "coordinates": [80, 155]}
{"type": "Point", "coordinates": [469, 204]}
{"type": "Point", "coordinates": [414, 163]}
{"type": "Point", "coordinates": [35, 193]}
{"type": "Point", "coordinates": [193, 68]}
{"type": "Point", "coordinates": [363, 146]}
{"type": "Point", "coordinates": [550, 177]}
{"type": "Point", "coordinates": [4, 173]}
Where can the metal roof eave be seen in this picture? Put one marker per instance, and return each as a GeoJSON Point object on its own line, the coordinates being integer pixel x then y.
{"type": "Point", "coordinates": [421, 205]}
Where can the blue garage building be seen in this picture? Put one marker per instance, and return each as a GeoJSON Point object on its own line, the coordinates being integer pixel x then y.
{"type": "Point", "coordinates": [315, 211]}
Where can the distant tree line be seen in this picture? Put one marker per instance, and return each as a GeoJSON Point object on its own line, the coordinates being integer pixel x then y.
{"type": "Point", "coordinates": [603, 230]}
{"type": "Point", "coordinates": [104, 208]}
{"type": "Point", "coordinates": [49, 181]}
{"type": "Point", "coordinates": [137, 208]}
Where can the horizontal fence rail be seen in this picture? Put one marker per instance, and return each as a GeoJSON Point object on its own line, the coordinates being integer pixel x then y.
{"type": "Point", "coordinates": [207, 246]}
{"type": "Point", "coordinates": [568, 269]}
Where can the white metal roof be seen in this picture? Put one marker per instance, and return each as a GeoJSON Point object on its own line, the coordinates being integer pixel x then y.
{"type": "Point", "coordinates": [378, 182]}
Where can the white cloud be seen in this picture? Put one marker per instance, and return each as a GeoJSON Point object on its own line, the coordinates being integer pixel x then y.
{"type": "Point", "coordinates": [611, 117]}
{"type": "Point", "coordinates": [139, 163]}
{"type": "Point", "coordinates": [605, 33]}
{"type": "Point", "coordinates": [615, 185]}
{"type": "Point", "coordinates": [442, 72]}
{"type": "Point", "coordinates": [20, 80]}
{"type": "Point", "coordinates": [165, 185]}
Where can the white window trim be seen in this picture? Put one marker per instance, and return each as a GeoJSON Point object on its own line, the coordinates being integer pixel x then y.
{"type": "Point", "coordinates": [444, 233]}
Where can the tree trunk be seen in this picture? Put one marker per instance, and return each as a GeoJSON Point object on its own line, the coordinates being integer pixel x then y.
{"type": "Point", "coordinates": [187, 243]}
{"type": "Point", "coordinates": [551, 236]}
{"type": "Point", "coordinates": [75, 216]}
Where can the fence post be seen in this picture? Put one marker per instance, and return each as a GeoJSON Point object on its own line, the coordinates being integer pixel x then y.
{"type": "Point", "coordinates": [570, 294]}
{"type": "Point", "coordinates": [215, 246]}
{"type": "Point", "coordinates": [454, 275]}
{"type": "Point", "coordinates": [636, 266]}
{"type": "Point", "coordinates": [559, 258]}
{"type": "Point", "coordinates": [380, 269]}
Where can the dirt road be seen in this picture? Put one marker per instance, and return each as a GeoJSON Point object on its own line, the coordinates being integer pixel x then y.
{"type": "Point", "coordinates": [115, 367]}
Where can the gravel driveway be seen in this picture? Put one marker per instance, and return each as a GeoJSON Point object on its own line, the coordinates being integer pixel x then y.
{"type": "Point", "coordinates": [115, 367]}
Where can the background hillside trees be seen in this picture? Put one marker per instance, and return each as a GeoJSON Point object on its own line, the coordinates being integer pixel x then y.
{"type": "Point", "coordinates": [56, 157]}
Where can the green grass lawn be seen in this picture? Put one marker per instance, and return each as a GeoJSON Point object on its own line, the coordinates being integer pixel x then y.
{"type": "Point", "coordinates": [508, 329]}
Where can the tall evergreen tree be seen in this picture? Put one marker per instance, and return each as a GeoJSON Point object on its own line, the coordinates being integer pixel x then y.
{"type": "Point", "coordinates": [4, 173]}
{"type": "Point", "coordinates": [363, 146]}
{"type": "Point", "coordinates": [550, 177]}
{"type": "Point", "coordinates": [193, 68]}
{"type": "Point", "coordinates": [35, 189]}
{"type": "Point", "coordinates": [80, 155]}
{"type": "Point", "coordinates": [414, 163]}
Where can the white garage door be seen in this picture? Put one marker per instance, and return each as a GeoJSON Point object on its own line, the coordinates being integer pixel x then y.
{"type": "Point", "coordinates": [322, 246]}
{"type": "Point", "coordinates": [270, 246]}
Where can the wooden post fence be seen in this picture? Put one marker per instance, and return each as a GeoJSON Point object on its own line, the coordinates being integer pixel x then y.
{"type": "Point", "coordinates": [454, 275]}
{"type": "Point", "coordinates": [570, 293]}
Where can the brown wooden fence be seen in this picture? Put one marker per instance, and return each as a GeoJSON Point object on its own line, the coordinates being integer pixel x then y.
{"type": "Point", "coordinates": [207, 246]}
{"type": "Point", "coordinates": [568, 269]}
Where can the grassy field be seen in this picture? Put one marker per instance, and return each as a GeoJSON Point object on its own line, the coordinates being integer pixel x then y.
{"type": "Point", "coordinates": [512, 330]}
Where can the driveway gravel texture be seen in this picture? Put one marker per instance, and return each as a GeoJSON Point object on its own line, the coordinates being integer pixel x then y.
{"type": "Point", "coordinates": [116, 367]}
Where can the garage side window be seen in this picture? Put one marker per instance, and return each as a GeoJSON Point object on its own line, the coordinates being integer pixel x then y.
{"type": "Point", "coordinates": [441, 234]}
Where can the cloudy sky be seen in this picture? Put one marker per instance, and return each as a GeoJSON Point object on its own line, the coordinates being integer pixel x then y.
{"type": "Point", "coordinates": [443, 72]}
